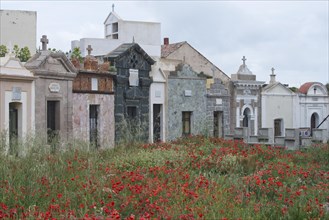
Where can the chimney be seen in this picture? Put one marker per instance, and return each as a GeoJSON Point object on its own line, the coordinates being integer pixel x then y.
{"type": "Point", "coordinates": [166, 41]}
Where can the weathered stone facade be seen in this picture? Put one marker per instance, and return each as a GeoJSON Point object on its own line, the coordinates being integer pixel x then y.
{"type": "Point", "coordinates": [81, 118]}
{"type": "Point", "coordinates": [186, 94]}
{"type": "Point", "coordinates": [53, 92]}
{"type": "Point", "coordinates": [132, 86]}
{"type": "Point", "coordinates": [93, 104]}
{"type": "Point", "coordinates": [218, 109]}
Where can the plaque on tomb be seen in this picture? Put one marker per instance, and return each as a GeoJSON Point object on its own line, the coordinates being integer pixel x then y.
{"type": "Point", "coordinates": [16, 93]}
{"type": "Point", "coordinates": [94, 84]}
{"type": "Point", "coordinates": [157, 93]}
{"type": "Point", "coordinates": [133, 77]}
{"type": "Point", "coordinates": [219, 101]}
{"type": "Point", "coordinates": [246, 92]}
{"type": "Point", "coordinates": [54, 87]}
{"type": "Point", "coordinates": [188, 93]}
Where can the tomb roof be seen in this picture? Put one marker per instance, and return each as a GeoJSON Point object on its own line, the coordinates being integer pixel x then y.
{"type": "Point", "coordinates": [243, 69]}
{"type": "Point", "coordinates": [123, 49]}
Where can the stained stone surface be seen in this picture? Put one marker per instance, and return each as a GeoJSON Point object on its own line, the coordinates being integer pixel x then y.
{"type": "Point", "coordinates": [183, 79]}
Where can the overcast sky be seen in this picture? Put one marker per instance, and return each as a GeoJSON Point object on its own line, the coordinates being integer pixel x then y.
{"type": "Point", "coordinates": [291, 36]}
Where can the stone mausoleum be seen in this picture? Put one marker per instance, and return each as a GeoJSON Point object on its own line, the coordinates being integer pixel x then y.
{"type": "Point", "coordinates": [53, 92]}
{"type": "Point", "coordinates": [93, 103]}
{"type": "Point", "coordinates": [187, 103]}
{"type": "Point", "coordinates": [132, 87]}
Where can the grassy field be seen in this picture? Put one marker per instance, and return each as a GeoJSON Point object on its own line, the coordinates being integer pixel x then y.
{"type": "Point", "coordinates": [191, 178]}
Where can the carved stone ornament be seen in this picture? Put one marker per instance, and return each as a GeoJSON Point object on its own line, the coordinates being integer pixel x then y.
{"type": "Point", "coordinates": [54, 87]}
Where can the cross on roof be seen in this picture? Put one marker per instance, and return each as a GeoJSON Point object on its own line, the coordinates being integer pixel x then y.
{"type": "Point", "coordinates": [244, 60]}
{"type": "Point", "coordinates": [272, 71]}
{"type": "Point", "coordinates": [89, 49]}
{"type": "Point", "coordinates": [112, 7]}
{"type": "Point", "coordinates": [44, 42]}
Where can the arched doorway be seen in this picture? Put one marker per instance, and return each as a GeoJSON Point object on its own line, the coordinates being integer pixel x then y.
{"type": "Point", "coordinates": [314, 120]}
{"type": "Point", "coordinates": [246, 118]}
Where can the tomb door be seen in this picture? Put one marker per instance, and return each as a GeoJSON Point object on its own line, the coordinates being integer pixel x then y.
{"type": "Point", "coordinates": [186, 122]}
{"type": "Point", "coordinates": [314, 120]}
{"type": "Point", "coordinates": [157, 122]}
{"type": "Point", "coordinates": [93, 125]}
{"type": "Point", "coordinates": [53, 121]}
{"type": "Point", "coordinates": [13, 124]}
{"type": "Point", "coordinates": [278, 127]}
{"type": "Point", "coordinates": [246, 118]}
{"type": "Point", "coordinates": [218, 124]}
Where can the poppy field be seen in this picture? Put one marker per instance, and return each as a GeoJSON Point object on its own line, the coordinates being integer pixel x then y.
{"type": "Point", "coordinates": [191, 178]}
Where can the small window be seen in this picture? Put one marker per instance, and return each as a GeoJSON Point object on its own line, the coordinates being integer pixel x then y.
{"type": "Point", "coordinates": [186, 121]}
{"type": "Point", "coordinates": [131, 112]}
{"type": "Point", "coordinates": [115, 27]}
{"type": "Point", "coordinates": [94, 84]}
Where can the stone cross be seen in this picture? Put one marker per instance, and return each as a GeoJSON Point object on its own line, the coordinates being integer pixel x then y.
{"type": "Point", "coordinates": [89, 49]}
{"type": "Point", "coordinates": [44, 42]}
{"type": "Point", "coordinates": [272, 71]}
{"type": "Point", "coordinates": [244, 60]}
{"type": "Point", "coordinates": [112, 7]}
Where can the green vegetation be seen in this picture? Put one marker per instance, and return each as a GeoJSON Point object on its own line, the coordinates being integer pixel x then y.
{"type": "Point", "coordinates": [3, 50]}
{"type": "Point", "coordinates": [76, 54]}
{"type": "Point", "coordinates": [191, 178]}
{"type": "Point", "coordinates": [23, 54]}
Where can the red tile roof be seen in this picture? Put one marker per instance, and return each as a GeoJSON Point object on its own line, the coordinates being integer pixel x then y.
{"type": "Point", "coordinates": [167, 49]}
{"type": "Point", "coordinates": [304, 88]}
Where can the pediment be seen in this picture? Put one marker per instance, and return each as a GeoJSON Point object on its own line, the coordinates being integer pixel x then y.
{"type": "Point", "coordinates": [14, 63]}
{"type": "Point", "coordinates": [184, 71]}
{"type": "Point", "coordinates": [51, 64]}
{"type": "Point", "coordinates": [111, 18]}
{"type": "Point", "coordinates": [277, 88]}
{"type": "Point", "coordinates": [55, 65]}
{"type": "Point", "coordinates": [14, 67]}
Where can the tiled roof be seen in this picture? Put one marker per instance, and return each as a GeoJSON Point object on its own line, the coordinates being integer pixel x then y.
{"type": "Point", "coordinates": [125, 48]}
{"type": "Point", "coordinates": [166, 50]}
{"type": "Point", "coordinates": [304, 88]}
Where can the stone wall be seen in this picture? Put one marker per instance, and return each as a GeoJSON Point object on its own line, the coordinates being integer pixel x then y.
{"type": "Point", "coordinates": [64, 96]}
{"type": "Point", "coordinates": [186, 92]}
{"type": "Point", "coordinates": [81, 125]}
{"type": "Point", "coordinates": [218, 99]}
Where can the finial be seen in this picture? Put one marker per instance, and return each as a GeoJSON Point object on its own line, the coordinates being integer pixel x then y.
{"type": "Point", "coordinates": [133, 39]}
{"type": "Point", "coordinates": [44, 42]}
{"type": "Point", "coordinates": [272, 80]}
{"type": "Point", "coordinates": [112, 7]}
{"type": "Point", "coordinates": [89, 49]}
{"type": "Point", "coordinates": [244, 60]}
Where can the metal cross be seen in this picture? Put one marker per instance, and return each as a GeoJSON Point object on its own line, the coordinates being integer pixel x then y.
{"type": "Point", "coordinates": [89, 49]}
{"type": "Point", "coordinates": [244, 60]}
{"type": "Point", "coordinates": [44, 42]}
